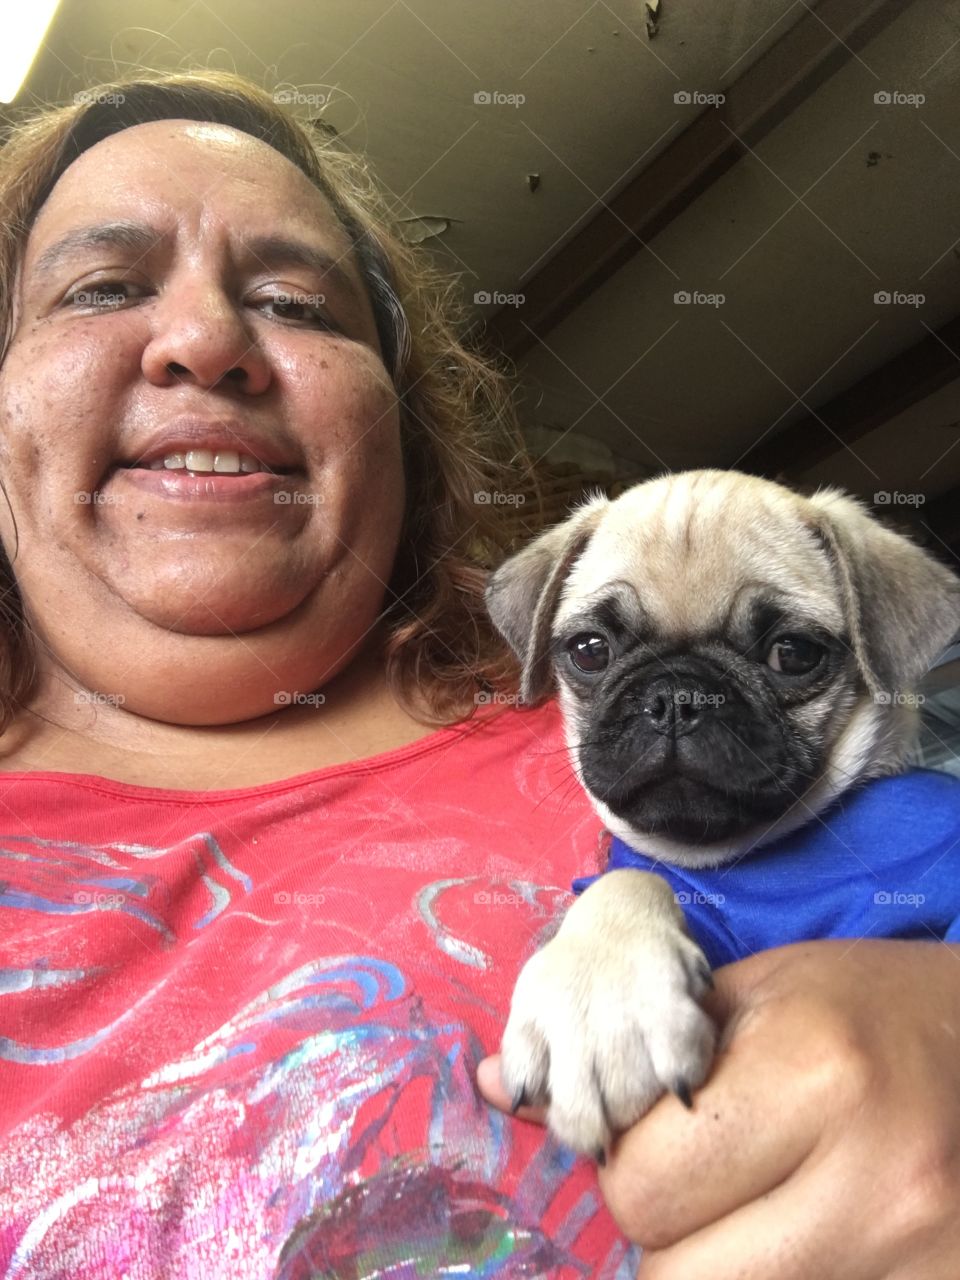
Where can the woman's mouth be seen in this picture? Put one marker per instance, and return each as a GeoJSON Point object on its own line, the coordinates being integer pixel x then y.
{"type": "Point", "coordinates": [206, 461]}
{"type": "Point", "coordinates": [223, 475]}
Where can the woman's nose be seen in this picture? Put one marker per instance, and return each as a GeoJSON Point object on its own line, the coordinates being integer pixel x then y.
{"type": "Point", "coordinates": [200, 337]}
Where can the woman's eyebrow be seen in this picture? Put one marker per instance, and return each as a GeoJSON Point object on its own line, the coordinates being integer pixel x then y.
{"type": "Point", "coordinates": [122, 235]}
{"type": "Point", "coordinates": [282, 251]}
{"type": "Point", "coordinates": [271, 251]}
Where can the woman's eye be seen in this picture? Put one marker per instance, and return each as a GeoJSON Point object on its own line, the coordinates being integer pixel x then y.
{"type": "Point", "coordinates": [794, 655]}
{"type": "Point", "coordinates": [300, 308]}
{"type": "Point", "coordinates": [589, 652]}
{"type": "Point", "coordinates": [105, 295]}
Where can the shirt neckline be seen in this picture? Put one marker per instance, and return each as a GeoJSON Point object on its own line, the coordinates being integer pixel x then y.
{"type": "Point", "coordinates": [382, 760]}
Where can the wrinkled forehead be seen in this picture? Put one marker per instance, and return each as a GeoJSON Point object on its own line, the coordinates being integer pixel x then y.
{"type": "Point", "coordinates": [704, 559]}
{"type": "Point", "coordinates": [185, 166]}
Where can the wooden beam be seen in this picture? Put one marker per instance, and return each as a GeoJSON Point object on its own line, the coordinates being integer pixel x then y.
{"type": "Point", "coordinates": [903, 381]}
{"type": "Point", "coordinates": [815, 47]}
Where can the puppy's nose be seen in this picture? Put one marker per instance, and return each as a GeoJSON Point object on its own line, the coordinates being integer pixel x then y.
{"type": "Point", "coordinates": [674, 707]}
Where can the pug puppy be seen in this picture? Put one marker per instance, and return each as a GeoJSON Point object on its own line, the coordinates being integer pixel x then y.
{"type": "Point", "coordinates": [730, 658]}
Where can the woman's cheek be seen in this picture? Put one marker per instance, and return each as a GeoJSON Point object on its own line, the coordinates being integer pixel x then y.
{"type": "Point", "coordinates": [359, 411]}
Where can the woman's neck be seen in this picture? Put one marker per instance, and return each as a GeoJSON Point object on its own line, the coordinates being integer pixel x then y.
{"type": "Point", "coordinates": [68, 731]}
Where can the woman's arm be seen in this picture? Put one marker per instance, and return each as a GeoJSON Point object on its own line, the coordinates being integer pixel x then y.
{"type": "Point", "coordinates": [826, 1142]}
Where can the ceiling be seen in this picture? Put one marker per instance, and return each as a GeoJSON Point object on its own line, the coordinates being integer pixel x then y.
{"type": "Point", "coordinates": [605, 178]}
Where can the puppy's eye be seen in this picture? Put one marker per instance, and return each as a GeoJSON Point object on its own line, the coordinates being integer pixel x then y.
{"type": "Point", "coordinates": [589, 652]}
{"type": "Point", "coordinates": [794, 655]}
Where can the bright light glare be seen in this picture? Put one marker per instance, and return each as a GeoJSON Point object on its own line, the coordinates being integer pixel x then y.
{"type": "Point", "coordinates": [23, 31]}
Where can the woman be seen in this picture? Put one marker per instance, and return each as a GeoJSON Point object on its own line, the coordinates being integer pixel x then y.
{"type": "Point", "coordinates": [253, 955]}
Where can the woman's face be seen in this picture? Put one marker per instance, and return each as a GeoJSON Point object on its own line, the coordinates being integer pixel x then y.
{"type": "Point", "coordinates": [188, 300]}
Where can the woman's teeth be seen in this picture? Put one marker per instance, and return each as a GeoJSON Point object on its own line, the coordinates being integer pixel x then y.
{"type": "Point", "coordinates": [205, 460]}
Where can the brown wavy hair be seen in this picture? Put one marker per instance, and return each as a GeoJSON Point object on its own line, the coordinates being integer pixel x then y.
{"type": "Point", "coordinates": [458, 426]}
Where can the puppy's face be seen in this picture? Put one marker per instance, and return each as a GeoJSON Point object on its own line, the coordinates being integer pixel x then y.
{"type": "Point", "coordinates": [729, 656]}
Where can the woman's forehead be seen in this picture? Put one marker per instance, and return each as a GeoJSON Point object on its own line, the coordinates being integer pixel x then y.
{"type": "Point", "coordinates": [184, 167]}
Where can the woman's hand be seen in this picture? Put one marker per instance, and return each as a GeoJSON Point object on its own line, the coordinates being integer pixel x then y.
{"type": "Point", "coordinates": [825, 1144]}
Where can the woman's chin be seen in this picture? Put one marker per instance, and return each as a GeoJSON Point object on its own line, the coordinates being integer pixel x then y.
{"type": "Point", "coordinates": [218, 611]}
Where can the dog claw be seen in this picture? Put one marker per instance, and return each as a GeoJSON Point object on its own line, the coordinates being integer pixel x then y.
{"type": "Point", "coordinates": [519, 1100]}
{"type": "Point", "coordinates": [600, 1156]}
{"type": "Point", "coordinates": [682, 1090]}
{"type": "Point", "coordinates": [706, 975]}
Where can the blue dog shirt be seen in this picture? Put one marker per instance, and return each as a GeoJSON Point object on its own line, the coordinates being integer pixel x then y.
{"type": "Point", "coordinates": [882, 862]}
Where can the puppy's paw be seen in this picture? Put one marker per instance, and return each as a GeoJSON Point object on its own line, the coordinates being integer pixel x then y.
{"type": "Point", "coordinates": [600, 1028]}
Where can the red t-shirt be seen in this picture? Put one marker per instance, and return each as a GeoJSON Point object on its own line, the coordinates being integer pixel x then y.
{"type": "Point", "coordinates": [239, 1029]}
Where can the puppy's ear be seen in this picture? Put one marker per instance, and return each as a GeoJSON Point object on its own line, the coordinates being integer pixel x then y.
{"type": "Point", "coordinates": [902, 606]}
{"type": "Point", "coordinates": [522, 595]}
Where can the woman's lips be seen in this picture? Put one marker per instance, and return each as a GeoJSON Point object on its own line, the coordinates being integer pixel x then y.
{"type": "Point", "coordinates": [281, 490]}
